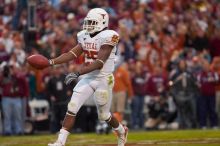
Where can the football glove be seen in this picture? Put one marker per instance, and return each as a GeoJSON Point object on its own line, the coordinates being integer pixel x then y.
{"type": "Point", "coordinates": [71, 77]}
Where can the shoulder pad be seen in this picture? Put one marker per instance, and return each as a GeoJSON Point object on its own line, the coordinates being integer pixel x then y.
{"type": "Point", "coordinates": [80, 36]}
{"type": "Point", "coordinates": [82, 32]}
{"type": "Point", "coordinates": [110, 37]}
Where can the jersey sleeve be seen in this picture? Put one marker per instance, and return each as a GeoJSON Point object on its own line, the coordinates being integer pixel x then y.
{"type": "Point", "coordinates": [110, 37]}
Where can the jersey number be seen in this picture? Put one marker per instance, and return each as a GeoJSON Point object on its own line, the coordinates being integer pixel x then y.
{"type": "Point", "coordinates": [91, 54]}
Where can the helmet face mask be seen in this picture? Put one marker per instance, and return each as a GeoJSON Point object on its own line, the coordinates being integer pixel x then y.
{"type": "Point", "coordinates": [96, 20]}
{"type": "Point", "coordinates": [90, 26]}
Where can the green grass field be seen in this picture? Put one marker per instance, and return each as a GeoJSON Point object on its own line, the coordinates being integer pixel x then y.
{"type": "Point", "coordinates": [143, 138]}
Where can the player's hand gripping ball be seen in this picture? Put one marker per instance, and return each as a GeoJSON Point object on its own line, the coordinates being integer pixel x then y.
{"type": "Point", "coordinates": [38, 61]}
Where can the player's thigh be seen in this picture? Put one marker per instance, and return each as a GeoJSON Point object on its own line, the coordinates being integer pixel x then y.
{"type": "Point", "coordinates": [81, 93]}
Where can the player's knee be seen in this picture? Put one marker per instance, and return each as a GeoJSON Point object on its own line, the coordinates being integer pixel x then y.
{"type": "Point", "coordinates": [101, 97]}
{"type": "Point", "coordinates": [104, 116]}
{"type": "Point", "coordinates": [72, 107]}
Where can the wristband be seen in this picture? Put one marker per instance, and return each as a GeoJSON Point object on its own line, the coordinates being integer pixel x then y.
{"type": "Point", "coordinates": [51, 62]}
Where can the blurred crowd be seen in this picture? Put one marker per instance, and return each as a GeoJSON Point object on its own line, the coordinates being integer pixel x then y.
{"type": "Point", "coordinates": [168, 66]}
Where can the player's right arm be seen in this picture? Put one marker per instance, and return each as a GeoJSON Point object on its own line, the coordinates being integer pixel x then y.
{"type": "Point", "coordinates": [66, 57]}
{"type": "Point", "coordinates": [72, 54]}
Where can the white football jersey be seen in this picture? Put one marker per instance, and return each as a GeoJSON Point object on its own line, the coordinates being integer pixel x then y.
{"type": "Point", "coordinates": [92, 45]}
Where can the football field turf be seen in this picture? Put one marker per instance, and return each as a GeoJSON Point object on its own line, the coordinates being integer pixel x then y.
{"type": "Point", "coordinates": [142, 138]}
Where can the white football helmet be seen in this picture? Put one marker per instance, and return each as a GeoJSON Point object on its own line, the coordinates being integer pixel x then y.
{"type": "Point", "coordinates": [96, 20]}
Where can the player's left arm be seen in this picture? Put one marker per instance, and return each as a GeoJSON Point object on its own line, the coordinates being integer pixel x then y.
{"type": "Point", "coordinates": [103, 55]}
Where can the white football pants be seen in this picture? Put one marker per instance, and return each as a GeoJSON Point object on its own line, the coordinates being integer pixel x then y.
{"type": "Point", "coordinates": [100, 89]}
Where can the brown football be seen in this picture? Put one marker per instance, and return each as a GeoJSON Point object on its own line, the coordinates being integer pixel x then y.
{"type": "Point", "coordinates": [38, 61]}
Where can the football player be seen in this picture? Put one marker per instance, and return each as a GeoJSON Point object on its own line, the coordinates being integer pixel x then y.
{"type": "Point", "coordinates": [98, 44]}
